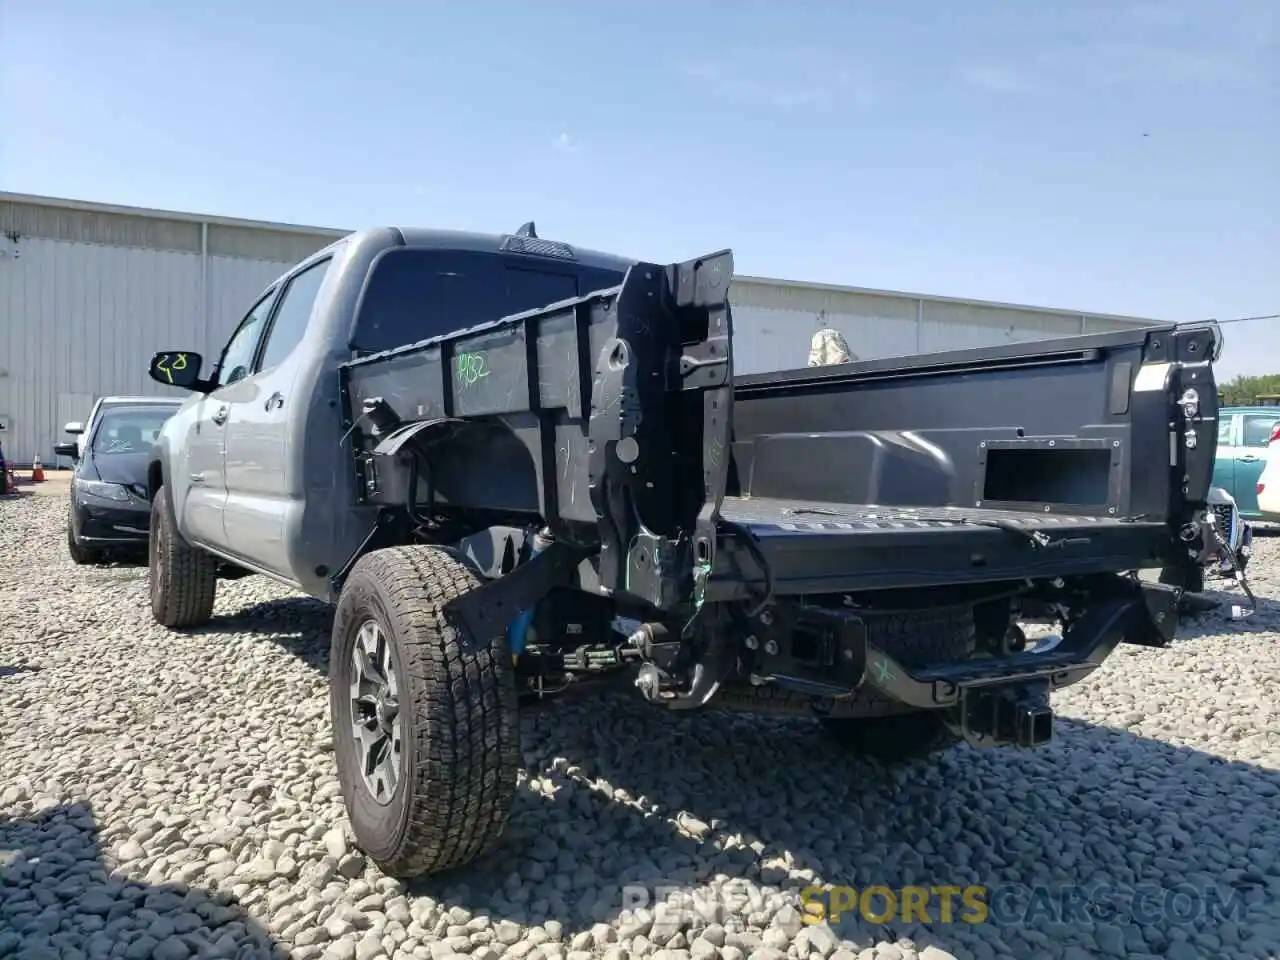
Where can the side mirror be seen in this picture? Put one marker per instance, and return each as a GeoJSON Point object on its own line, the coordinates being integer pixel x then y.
{"type": "Point", "coordinates": [74, 428]}
{"type": "Point", "coordinates": [71, 450]}
{"type": "Point", "coordinates": [177, 369]}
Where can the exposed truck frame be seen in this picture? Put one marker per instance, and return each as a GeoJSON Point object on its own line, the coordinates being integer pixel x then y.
{"type": "Point", "coordinates": [584, 490]}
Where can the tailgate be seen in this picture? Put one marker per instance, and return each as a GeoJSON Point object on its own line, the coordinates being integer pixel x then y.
{"type": "Point", "coordinates": [1078, 456]}
{"type": "Point", "coordinates": [1118, 425]}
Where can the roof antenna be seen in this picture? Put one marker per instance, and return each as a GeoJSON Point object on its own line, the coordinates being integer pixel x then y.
{"type": "Point", "coordinates": [527, 230]}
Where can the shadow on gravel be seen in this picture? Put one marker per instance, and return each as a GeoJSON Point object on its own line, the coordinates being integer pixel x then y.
{"type": "Point", "coordinates": [1113, 843]}
{"type": "Point", "coordinates": [1118, 844]}
{"type": "Point", "coordinates": [299, 625]}
{"type": "Point", "coordinates": [1264, 619]}
{"type": "Point", "coordinates": [58, 898]}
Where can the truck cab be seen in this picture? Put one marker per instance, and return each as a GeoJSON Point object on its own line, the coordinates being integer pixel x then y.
{"type": "Point", "coordinates": [249, 459]}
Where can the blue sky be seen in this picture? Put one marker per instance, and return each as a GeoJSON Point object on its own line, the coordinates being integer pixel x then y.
{"type": "Point", "coordinates": [1118, 157]}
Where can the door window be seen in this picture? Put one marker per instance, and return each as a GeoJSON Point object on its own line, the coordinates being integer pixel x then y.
{"type": "Point", "coordinates": [1258, 428]}
{"type": "Point", "coordinates": [237, 358]}
{"type": "Point", "coordinates": [294, 313]}
{"type": "Point", "coordinates": [1224, 431]}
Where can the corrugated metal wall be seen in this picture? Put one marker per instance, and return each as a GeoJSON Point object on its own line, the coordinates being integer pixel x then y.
{"type": "Point", "coordinates": [87, 294]}
{"type": "Point", "coordinates": [86, 298]}
{"type": "Point", "coordinates": [773, 324]}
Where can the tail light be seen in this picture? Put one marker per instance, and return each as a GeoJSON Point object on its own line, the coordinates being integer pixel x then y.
{"type": "Point", "coordinates": [1275, 433]}
{"type": "Point", "coordinates": [1261, 486]}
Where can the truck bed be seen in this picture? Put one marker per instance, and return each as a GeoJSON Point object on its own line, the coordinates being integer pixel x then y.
{"type": "Point", "coordinates": [616, 418]}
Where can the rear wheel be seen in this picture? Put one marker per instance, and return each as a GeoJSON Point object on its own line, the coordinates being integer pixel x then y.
{"type": "Point", "coordinates": [424, 715]}
{"type": "Point", "coordinates": [80, 554]}
{"type": "Point", "coordinates": [183, 578]}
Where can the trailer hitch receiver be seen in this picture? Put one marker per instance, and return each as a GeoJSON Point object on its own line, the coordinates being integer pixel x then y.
{"type": "Point", "coordinates": [1019, 715]}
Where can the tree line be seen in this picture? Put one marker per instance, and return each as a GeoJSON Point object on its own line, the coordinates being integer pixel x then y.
{"type": "Point", "coordinates": [1245, 390]}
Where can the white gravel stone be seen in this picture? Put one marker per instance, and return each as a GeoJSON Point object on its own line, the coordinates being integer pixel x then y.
{"type": "Point", "coordinates": [167, 796]}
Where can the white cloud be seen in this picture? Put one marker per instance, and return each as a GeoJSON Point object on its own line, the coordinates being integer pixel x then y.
{"type": "Point", "coordinates": [790, 81]}
{"type": "Point", "coordinates": [994, 77]}
{"type": "Point", "coordinates": [1155, 14]}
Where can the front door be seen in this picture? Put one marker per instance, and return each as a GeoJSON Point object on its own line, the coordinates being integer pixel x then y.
{"type": "Point", "coordinates": [199, 472]}
{"type": "Point", "coordinates": [262, 480]}
{"type": "Point", "coordinates": [204, 470]}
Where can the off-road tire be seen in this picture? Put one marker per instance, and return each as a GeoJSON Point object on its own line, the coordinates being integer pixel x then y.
{"type": "Point", "coordinates": [80, 554]}
{"type": "Point", "coordinates": [457, 698]}
{"type": "Point", "coordinates": [894, 739]}
{"type": "Point", "coordinates": [183, 579]}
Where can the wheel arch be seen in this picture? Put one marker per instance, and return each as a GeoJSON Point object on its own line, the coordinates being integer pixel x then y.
{"type": "Point", "coordinates": [155, 477]}
{"type": "Point", "coordinates": [485, 464]}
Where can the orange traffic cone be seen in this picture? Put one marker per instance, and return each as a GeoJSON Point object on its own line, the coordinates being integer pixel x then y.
{"type": "Point", "coordinates": [37, 470]}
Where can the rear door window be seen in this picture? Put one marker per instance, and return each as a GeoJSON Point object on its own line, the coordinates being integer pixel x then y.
{"type": "Point", "coordinates": [1258, 428]}
{"type": "Point", "coordinates": [294, 313]}
{"type": "Point", "coordinates": [414, 295]}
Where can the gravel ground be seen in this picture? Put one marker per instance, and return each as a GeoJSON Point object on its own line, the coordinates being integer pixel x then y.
{"type": "Point", "coordinates": [173, 797]}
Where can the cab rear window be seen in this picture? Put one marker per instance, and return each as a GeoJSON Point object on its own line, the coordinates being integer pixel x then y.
{"type": "Point", "coordinates": [413, 295]}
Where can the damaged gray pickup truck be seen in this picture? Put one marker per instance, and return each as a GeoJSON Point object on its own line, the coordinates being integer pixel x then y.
{"type": "Point", "coordinates": [516, 467]}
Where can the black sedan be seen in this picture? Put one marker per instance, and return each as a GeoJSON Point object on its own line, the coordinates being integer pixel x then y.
{"type": "Point", "coordinates": [109, 508]}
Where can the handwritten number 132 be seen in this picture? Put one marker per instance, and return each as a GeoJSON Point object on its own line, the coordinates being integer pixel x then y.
{"type": "Point", "coordinates": [471, 368]}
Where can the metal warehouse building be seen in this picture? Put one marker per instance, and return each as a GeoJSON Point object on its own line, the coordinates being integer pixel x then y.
{"type": "Point", "coordinates": [89, 291]}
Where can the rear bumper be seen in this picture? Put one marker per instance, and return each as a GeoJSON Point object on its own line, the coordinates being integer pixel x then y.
{"type": "Point", "coordinates": [991, 700]}
{"type": "Point", "coordinates": [1080, 651]}
{"type": "Point", "coordinates": [1005, 700]}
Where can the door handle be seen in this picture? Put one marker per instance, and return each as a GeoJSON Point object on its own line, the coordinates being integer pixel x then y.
{"type": "Point", "coordinates": [275, 401]}
{"type": "Point", "coordinates": [1249, 458]}
{"type": "Point", "coordinates": [220, 415]}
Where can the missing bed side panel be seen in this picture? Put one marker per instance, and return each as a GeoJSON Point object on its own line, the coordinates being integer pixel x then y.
{"type": "Point", "coordinates": [1076, 473]}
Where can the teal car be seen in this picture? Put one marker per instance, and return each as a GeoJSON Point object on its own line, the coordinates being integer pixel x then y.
{"type": "Point", "coordinates": [1243, 435]}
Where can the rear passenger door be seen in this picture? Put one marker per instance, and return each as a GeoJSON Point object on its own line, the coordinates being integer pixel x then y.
{"type": "Point", "coordinates": [198, 477]}
{"type": "Point", "coordinates": [261, 476]}
{"type": "Point", "coordinates": [1251, 456]}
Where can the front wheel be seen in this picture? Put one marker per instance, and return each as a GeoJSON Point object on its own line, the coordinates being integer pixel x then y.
{"type": "Point", "coordinates": [183, 578]}
{"type": "Point", "coordinates": [425, 721]}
